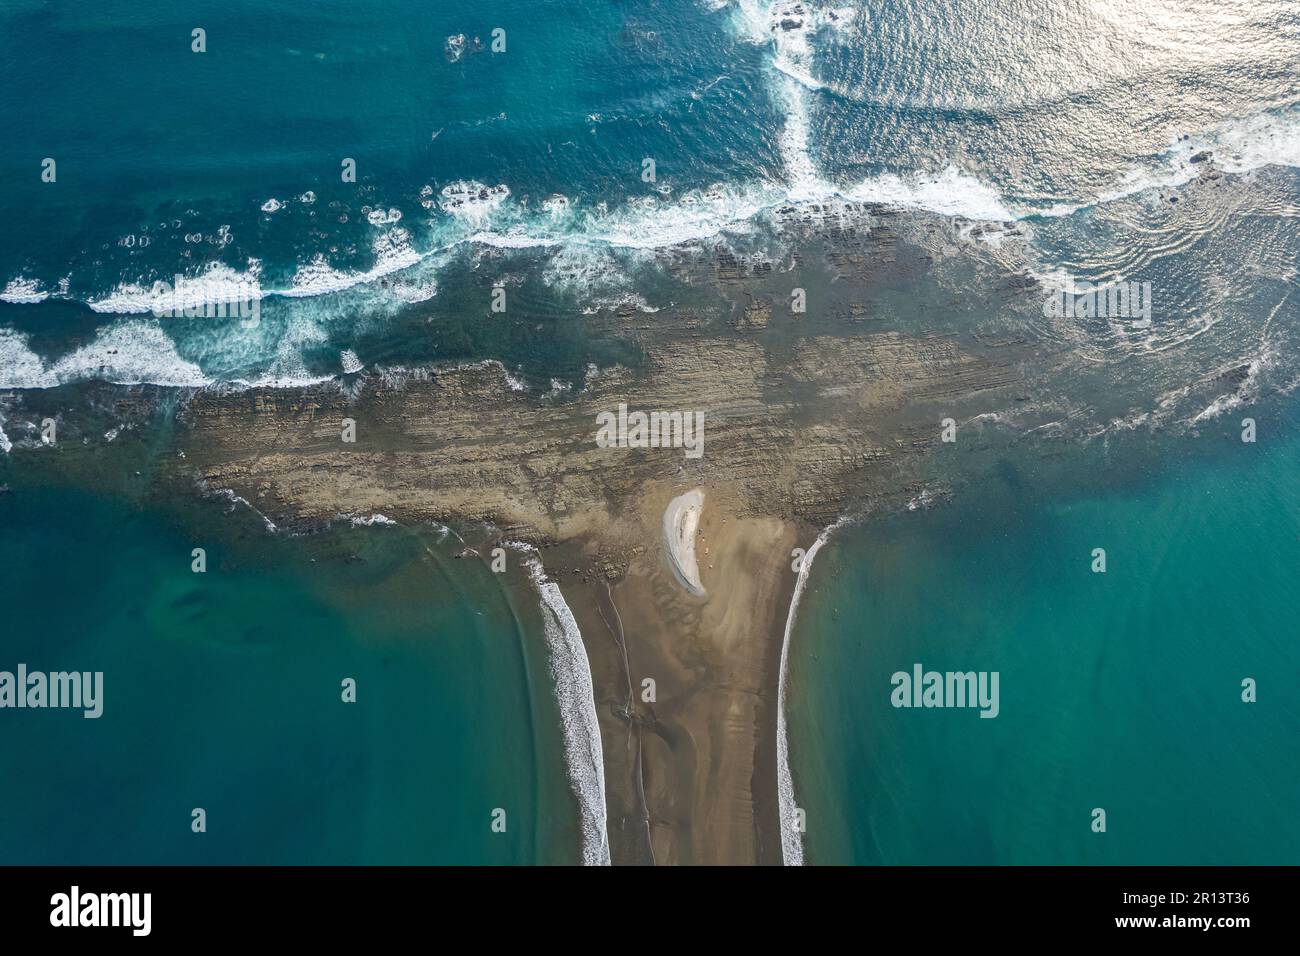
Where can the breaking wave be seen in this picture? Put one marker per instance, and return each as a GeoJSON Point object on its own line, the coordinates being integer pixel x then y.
{"type": "Point", "coordinates": [576, 697]}
{"type": "Point", "coordinates": [791, 840]}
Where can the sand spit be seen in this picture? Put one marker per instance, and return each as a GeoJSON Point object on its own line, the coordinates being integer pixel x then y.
{"type": "Point", "coordinates": [808, 421]}
{"type": "Point", "coordinates": [681, 527]}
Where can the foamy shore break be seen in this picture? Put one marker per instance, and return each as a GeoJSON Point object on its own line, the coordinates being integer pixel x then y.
{"type": "Point", "coordinates": [681, 525]}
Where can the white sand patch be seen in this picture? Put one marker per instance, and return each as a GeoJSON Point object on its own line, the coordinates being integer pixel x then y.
{"type": "Point", "coordinates": [681, 526]}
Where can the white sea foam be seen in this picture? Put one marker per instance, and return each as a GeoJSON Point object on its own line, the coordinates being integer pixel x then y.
{"type": "Point", "coordinates": [789, 29]}
{"type": "Point", "coordinates": [584, 268]}
{"type": "Point", "coordinates": [318, 277]}
{"type": "Point", "coordinates": [921, 501]}
{"type": "Point", "coordinates": [132, 352]}
{"type": "Point", "coordinates": [616, 302]}
{"type": "Point", "coordinates": [1267, 139]}
{"type": "Point", "coordinates": [217, 284]}
{"type": "Point", "coordinates": [797, 73]}
{"type": "Point", "coordinates": [1245, 393]}
{"type": "Point", "coordinates": [791, 840]}
{"type": "Point", "coordinates": [393, 252]}
{"type": "Point", "coordinates": [1238, 146]}
{"type": "Point", "coordinates": [350, 362]}
{"type": "Point", "coordinates": [516, 237]}
{"type": "Point", "coordinates": [471, 200]}
{"type": "Point", "coordinates": [20, 367]}
{"type": "Point", "coordinates": [645, 223]}
{"type": "Point", "coordinates": [369, 521]}
{"type": "Point", "coordinates": [21, 290]}
{"type": "Point", "coordinates": [6, 445]}
{"type": "Point", "coordinates": [410, 292]}
{"type": "Point", "coordinates": [556, 205]}
{"type": "Point", "coordinates": [653, 223]}
{"type": "Point", "coordinates": [950, 193]}
{"type": "Point", "coordinates": [576, 696]}
{"type": "Point", "coordinates": [235, 500]}
{"type": "Point", "coordinates": [287, 369]}
{"type": "Point", "coordinates": [396, 376]}
{"type": "Point", "coordinates": [513, 383]}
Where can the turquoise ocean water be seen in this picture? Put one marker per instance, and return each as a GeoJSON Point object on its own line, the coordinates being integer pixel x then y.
{"type": "Point", "coordinates": [223, 691]}
{"type": "Point", "coordinates": [1049, 142]}
{"type": "Point", "coordinates": [1119, 690]}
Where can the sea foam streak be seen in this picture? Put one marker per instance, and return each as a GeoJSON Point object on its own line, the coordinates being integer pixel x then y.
{"type": "Point", "coordinates": [23, 291]}
{"type": "Point", "coordinates": [789, 27]}
{"type": "Point", "coordinates": [217, 284]}
{"type": "Point", "coordinates": [393, 253]}
{"type": "Point", "coordinates": [576, 696]}
{"type": "Point", "coordinates": [791, 841]}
